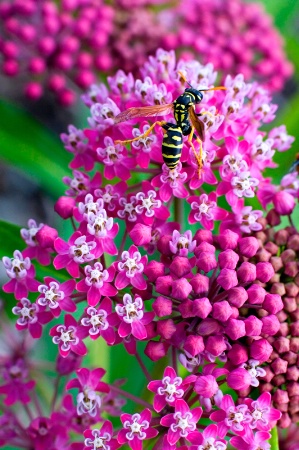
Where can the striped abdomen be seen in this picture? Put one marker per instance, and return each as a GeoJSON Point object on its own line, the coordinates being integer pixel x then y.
{"type": "Point", "coordinates": [172, 145]}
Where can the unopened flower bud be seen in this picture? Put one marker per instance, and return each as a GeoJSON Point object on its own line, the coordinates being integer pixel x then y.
{"type": "Point", "coordinates": [271, 325]}
{"type": "Point", "coordinates": [200, 284]}
{"type": "Point", "coordinates": [202, 307]}
{"type": "Point", "coordinates": [248, 246]}
{"type": "Point", "coordinates": [264, 271]}
{"type": "Point", "coordinates": [228, 239]}
{"type": "Point", "coordinates": [206, 261]}
{"type": "Point", "coordinates": [239, 379]}
{"type": "Point", "coordinates": [162, 306]}
{"type": "Point", "coordinates": [153, 270]}
{"type": "Point", "coordinates": [227, 279]}
{"type": "Point", "coordinates": [194, 345]}
{"type": "Point", "coordinates": [206, 385]}
{"type": "Point", "coordinates": [64, 207]}
{"type": "Point", "coordinates": [222, 311]}
{"type": "Point", "coordinates": [237, 296]}
{"type": "Point", "coordinates": [273, 303]}
{"type": "Point", "coordinates": [180, 266]}
{"type": "Point", "coordinates": [46, 236]}
{"type": "Point", "coordinates": [141, 234]}
{"type": "Point", "coordinates": [238, 354]}
{"type": "Point", "coordinates": [215, 345]}
{"type": "Point", "coordinates": [156, 350]}
{"type": "Point", "coordinates": [260, 350]}
{"type": "Point", "coordinates": [228, 259]}
{"type": "Point", "coordinates": [284, 203]}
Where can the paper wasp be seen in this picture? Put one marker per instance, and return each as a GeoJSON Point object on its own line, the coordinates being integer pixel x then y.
{"type": "Point", "coordinates": [187, 122]}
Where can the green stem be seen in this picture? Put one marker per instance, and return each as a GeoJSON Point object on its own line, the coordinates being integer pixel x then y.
{"type": "Point", "coordinates": [273, 441]}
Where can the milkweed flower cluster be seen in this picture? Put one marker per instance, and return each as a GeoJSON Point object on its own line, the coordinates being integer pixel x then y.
{"type": "Point", "coordinates": [54, 46]}
{"type": "Point", "coordinates": [205, 301]}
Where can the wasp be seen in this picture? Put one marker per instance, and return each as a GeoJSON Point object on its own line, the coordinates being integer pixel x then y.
{"type": "Point", "coordinates": [187, 122]}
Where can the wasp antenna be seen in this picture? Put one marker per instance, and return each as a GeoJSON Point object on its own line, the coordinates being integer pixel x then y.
{"type": "Point", "coordinates": [184, 78]}
{"type": "Point", "coordinates": [218, 88]}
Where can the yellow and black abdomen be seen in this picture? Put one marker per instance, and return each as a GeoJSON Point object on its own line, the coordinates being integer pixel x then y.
{"type": "Point", "coordinates": [172, 145]}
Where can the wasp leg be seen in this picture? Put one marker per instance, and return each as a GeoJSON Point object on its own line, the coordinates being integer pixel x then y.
{"type": "Point", "coordinates": [144, 135]}
{"type": "Point", "coordinates": [198, 157]}
{"type": "Point", "coordinates": [206, 112]}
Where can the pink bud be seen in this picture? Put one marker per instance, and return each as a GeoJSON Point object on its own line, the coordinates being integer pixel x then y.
{"type": "Point", "coordinates": [64, 207]}
{"type": "Point", "coordinates": [276, 263]}
{"type": "Point", "coordinates": [37, 65]}
{"type": "Point", "coordinates": [239, 379]}
{"type": "Point", "coordinates": [284, 203]}
{"type": "Point", "coordinates": [260, 350]}
{"type": "Point", "coordinates": [228, 239]}
{"type": "Point", "coordinates": [180, 266]}
{"type": "Point", "coordinates": [281, 237]}
{"type": "Point", "coordinates": [235, 329]}
{"type": "Point", "coordinates": [256, 294]}
{"type": "Point", "coordinates": [203, 236]}
{"type": "Point", "coordinates": [285, 421]}
{"type": "Point", "coordinates": [227, 279]}
{"type": "Point", "coordinates": [215, 345]}
{"type": "Point", "coordinates": [222, 311]}
{"type": "Point", "coordinates": [237, 354]}
{"type": "Point", "coordinates": [166, 328]}
{"type": "Point", "coordinates": [164, 285]}
{"type": "Point", "coordinates": [280, 396]}
{"type": "Point", "coordinates": [237, 296]}
{"type": "Point", "coordinates": [208, 326]}
{"type": "Point", "coordinates": [202, 307]}
{"type": "Point", "coordinates": [206, 261]}
{"type": "Point", "coordinates": [271, 325]}
{"type": "Point", "coordinates": [248, 246]}
{"type": "Point", "coordinates": [246, 272]}
{"type": "Point", "coordinates": [141, 234]}
{"type": "Point", "coordinates": [66, 97]}
{"type": "Point", "coordinates": [253, 326]}
{"type": "Point", "coordinates": [186, 308]}
{"type": "Point", "coordinates": [194, 345]}
{"type": "Point", "coordinates": [33, 90]}
{"type": "Point", "coordinates": [84, 79]}
{"type": "Point", "coordinates": [279, 366]}
{"type": "Point", "coordinates": [264, 271]}
{"type": "Point", "coordinates": [291, 268]}
{"type": "Point", "coordinates": [163, 245]}
{"type": "Point", "coordinates": [10, 67]}
{"type": "Point", "coordinates": [162, 306]}
{"type": "Point", "coordinates": [156, 350]}
{"type": "Point", "coordinates": [180, 289]}
{"type": "Point", "coordinates": [293, 242]}
{"type": "Point", "coordinates": [153, 270]}
{"type": "Point", "coordinates": [204, 247]}
{"type": "Point", "coordinates": [273, 303]}
{"type": "Point", "coordinates": [56, 82]}
{"type": "Point", "coordinates": [206, 385]}
{"type": "Point", "coordinates": [46, 236]}
{"type": "Point", "coordinates": [200, 284]}
{"type": "Point", "coordinates": [228, 259]}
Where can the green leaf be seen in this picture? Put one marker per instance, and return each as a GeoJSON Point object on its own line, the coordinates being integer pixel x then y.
{"type": "Point", "coordinates": [29, 146]}
{"type": "Point", "coordinates": [274, 444]}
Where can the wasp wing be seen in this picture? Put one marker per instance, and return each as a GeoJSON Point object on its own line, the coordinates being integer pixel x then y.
{"type": "Point", "coordinates": [144, 111]}
{"type": "Point", "coordinates": [198, 125]}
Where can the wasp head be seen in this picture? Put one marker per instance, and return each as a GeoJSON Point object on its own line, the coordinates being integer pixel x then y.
{"type": "Point", "coordinates": [197, 94]}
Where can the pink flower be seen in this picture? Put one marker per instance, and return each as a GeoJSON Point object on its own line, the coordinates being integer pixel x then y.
{"type": "Point", "coordinates": [100, 321]}
{"type": "Point", "coordinates": [72, 253]}
{"type": "Point", "coordinates": [207, 439]}
{"type": "Point", "coordinates": [69, 337]}
{"type": "Point", "coordinates": [34, 249]}
{"type": "Point", "coordinates": [115, 160]}
{"type": "Point", "coordinates": [231, 417]}
{"type": "Point", "coordinates": [15, 384]}
{"type": "Point", "coordinates": [133, 318]}
{"type": "Point", "coordinates": [136, 428]}
{"type": "Point", "coordinates": [170, 388]}
{"type": "Point", "coordinates": [97, 283]}
{"type": "Point", "coordinates": [171, 183]}
{"type": "Point", "coordinates": [102, 436]}
{"type": "Point", "coordinates": [57, 296]}
{"type": "Point", "coordinates": [181, 244]}
{"type": "Point", "coordinates": [182, 422]}
{"type": "Point", "coordinates": [104, 231]}
{"type": "Point", "coordinates": [204, 209]}
{"type": "Point", "coordinates": [263, 415]}
{"type": "Point", "coordinates": [22, 275]}
{"type": "Point", "coordinates": [250, 441]}
{"type": "Point", "coordinates": [32, 317]}
{"type": "Point", "coordinates": [130, 269]}
{"type": "Point", "coordinates": [88, 381]}
{"type": "Point", "coordinates": [76, 142]}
